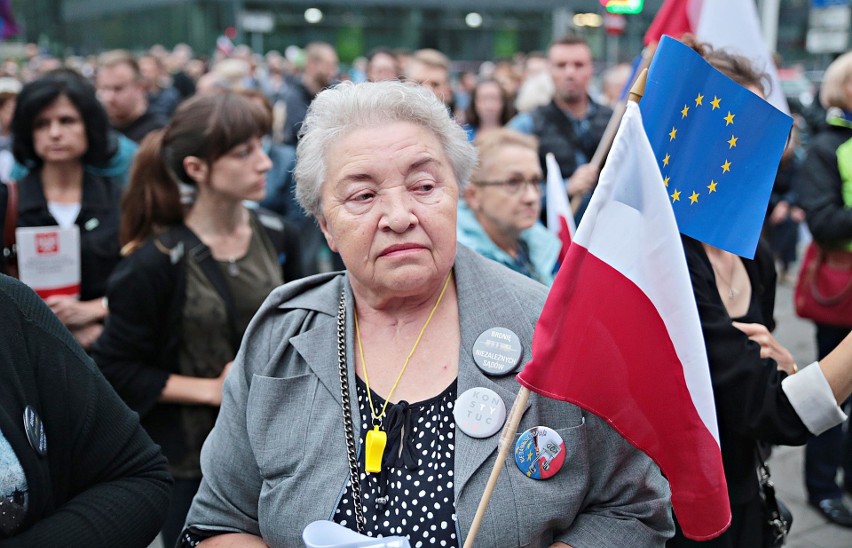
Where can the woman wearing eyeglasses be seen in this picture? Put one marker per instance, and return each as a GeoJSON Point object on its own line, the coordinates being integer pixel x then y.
{"type": "Point", "coordinates": [499, 216]}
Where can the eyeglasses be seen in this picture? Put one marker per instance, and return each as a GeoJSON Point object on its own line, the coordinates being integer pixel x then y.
{"type": "Point", "coordinates": [514, 186]}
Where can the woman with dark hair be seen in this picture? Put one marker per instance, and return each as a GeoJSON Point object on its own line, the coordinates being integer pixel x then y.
{"type": "Point", "coordinates": [758, 393]}
{"type": "Point", "coordinates": [198, 265]}
{"type": "Point", "coordinates": [59, 126]}
{"type": "Point", "coordinates": [489, 108]}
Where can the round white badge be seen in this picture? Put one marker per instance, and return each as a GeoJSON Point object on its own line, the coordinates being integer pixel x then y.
{"type": "Point", "coordinates": [479, 412]}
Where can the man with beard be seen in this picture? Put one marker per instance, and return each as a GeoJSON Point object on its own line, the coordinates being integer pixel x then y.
{"type": "Point", "coordinates": [320, 72]}
{"type": "Point", "coordinates": [572, 124]}
{"type": "Point", "coordinates": [122, 93]}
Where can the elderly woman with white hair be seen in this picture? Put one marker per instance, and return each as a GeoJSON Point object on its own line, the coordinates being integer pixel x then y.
{"type": "Point", "coordinates": [374, 397]}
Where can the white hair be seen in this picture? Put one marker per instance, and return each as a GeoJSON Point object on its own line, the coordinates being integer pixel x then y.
{"type": "Point", "coordinates": [339, 110]}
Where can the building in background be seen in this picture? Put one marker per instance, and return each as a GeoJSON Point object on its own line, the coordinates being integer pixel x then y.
{"type": "Point", "coordinates": [464, 29]}
{"type": "Point", "coordinates": [473, 30]}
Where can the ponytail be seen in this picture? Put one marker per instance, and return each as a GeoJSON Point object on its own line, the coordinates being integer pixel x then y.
{"type": "Point", "coordinates": [204, 126]}
{"type": "Point", "coordinates": [152, 200]}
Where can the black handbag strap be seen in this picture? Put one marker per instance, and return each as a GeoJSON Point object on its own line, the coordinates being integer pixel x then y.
{"type": "Point", "coordinates": [204, 258]}
{"type": "Point", "coordinates": [776, 520]}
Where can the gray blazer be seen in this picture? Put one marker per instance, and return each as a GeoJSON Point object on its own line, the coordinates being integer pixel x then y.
{"type": "Point", "coordinates": [276, 459]}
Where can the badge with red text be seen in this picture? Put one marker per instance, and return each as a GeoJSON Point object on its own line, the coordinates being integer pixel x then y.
{"type": "Point", "coordinates": [540, 453]}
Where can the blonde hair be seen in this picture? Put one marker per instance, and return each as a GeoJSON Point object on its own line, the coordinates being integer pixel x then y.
{"type": "Point", "coordinates": [837, 75]}
{"type": "Point", "coordinates": [490, 143]}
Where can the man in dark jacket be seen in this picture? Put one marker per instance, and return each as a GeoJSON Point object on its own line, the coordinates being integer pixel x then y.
{"type": "Point", "coordinates": [572, 124]}
{"type": "Point", "coordinates": [321, 66]}
{"type": "Point", "coordinates": [122, 93]}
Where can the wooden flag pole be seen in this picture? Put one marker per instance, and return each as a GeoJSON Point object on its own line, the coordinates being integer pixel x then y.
{"type": "Point", "coordinates": [511, 428]}
{"type": "Point", "coordinates": [638, 89]}
{"type": "Point", "coordinates": [504, 445]}
{"type": "Point", "coordinates": [615, 121]}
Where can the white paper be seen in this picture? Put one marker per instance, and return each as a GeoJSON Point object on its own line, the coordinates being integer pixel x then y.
{"type": "Point", "coordinates": [327, 534]}
{"type": "Point", "coordinates": [49, 259]}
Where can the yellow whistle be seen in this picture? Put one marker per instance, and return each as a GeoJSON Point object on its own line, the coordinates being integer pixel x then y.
{"type": "Point", "coordinates": [375, 448]}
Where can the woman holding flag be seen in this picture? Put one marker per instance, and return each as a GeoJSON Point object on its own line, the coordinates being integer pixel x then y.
{"type": "Point", "coordinates": [373, 397]}
{"type": "Point", "coordinates": [756, 395]}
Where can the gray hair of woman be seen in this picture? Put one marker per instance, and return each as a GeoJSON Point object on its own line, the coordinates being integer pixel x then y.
{"type": "Point", "coordinates": [346, 107]}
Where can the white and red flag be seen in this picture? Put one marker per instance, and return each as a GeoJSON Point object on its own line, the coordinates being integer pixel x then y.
{"type": "Point", "coordinates": [560, 220]}
{"type": "Point", "coordinates": [725, 24]}
{"type": "Point", "coordinates": [619, 334]}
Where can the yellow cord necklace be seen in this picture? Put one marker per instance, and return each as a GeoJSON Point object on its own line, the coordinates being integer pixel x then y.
{"type": "Point", "coordinates": [377, 438]}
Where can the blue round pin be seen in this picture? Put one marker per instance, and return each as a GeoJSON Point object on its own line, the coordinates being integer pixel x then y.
{"type": "Point", "coordinates": [34, 428]}
{"type": "Point", "coordinates": [540, 453]}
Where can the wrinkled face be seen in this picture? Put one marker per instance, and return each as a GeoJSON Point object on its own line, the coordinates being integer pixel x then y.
{"type": "Point", "coordinates": [571, 69]}
{"type": "Point", "coordinates": [241, 173]}
{"type": "Point", "coordinates": [59, 134]}
{"type": "Point", "coordinates": [497, 208]}
{"type": "Point", "coordinates": [382, 67]}
{"type": "Point", "coordinates": [389, 202]}
{"type": "Point", "coordinates": [489, 101]}
{"type": "Point", "coordinates": [121, 93]}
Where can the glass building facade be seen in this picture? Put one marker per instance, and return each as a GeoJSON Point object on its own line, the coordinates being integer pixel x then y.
{"type": "Point", "coordinates": [352, 26]}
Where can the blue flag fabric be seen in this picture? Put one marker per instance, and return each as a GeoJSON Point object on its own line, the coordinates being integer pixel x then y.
{"type": "Point", "coordinates": [717, 144]}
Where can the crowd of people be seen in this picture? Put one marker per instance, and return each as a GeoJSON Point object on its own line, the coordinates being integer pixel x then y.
{"type": "Point", "coordinates": [254, 232]}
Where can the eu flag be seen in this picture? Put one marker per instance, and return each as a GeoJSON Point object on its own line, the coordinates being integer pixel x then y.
{"type": "Point", "coordinates": [717, 144]}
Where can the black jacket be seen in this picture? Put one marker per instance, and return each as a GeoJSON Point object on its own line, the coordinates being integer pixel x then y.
{"type": "Point", "coordinates": [102, 482]}
{"type": "Point", "coordinates": [556, 134]}
{"type": "Point", "coordinates": [140, 345]}
{"type": "Point", "coordinates": [750, 404]}
{"type": "Point", "coordinates": [819, 187]}
{"type": "Point", "coordinates": [98, 221]}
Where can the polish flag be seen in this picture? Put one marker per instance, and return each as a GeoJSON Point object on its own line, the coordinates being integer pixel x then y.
{"type": "Point", "coordinates": [560, 220]}
{"type": "Point", "coordinates": [620, 337]}
{"type": "Point", "coordinates": [732, 25]}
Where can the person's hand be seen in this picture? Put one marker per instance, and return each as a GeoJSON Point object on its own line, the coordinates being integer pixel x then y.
{"type": "Point", "coordinates": [86, 335]}
{"type": "Point", "coordinates": [583, 180]}
{"type": "Point", "coordinates": [217, 384]}
{"type": "Point", "coordinates": [769, 346]}
{"type": "Point", "coordinates": [779, 212]}
{"type": "Point", "coordinates": [797, 214]}
{"type": "Point", "coordinates": [75, 313]}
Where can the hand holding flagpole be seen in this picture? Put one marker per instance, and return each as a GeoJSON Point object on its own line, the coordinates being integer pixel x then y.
{"type": "Point", "coordinates": [598, 157]}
